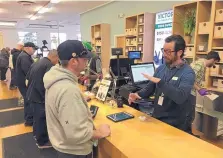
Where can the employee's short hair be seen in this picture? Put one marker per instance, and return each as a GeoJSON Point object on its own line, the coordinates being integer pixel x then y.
{"type": "Point", "coordinates": [213, 55]}
{"type": "Point", "coordinates": [179, 43]}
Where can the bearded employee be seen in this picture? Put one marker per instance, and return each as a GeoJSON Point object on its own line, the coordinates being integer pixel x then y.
{"type": "Point", "coordinates": [23, 63]}
{"type": "Point", "coordinates": [172, 84]}
{"type": "Point", "coordinates": [69, 121]}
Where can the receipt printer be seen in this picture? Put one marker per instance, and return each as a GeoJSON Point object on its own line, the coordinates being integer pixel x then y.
{"type": "Point", "coordinates": [214, 102]}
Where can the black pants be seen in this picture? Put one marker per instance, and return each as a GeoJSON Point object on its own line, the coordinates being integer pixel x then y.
{"type": "Point", "coordinates": [28, 110]}
{"type": "Point", "coordinates": [3, 73]}
{"type": "Point", "coordinates": [39, 123]}
{"type": "Point", "coordinates": [13, 78]}
{"type": "Point", "coordinates": [63, 155]}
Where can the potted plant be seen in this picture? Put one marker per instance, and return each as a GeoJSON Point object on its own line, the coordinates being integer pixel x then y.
{"type": "Point", "coordinates": [189, 24]}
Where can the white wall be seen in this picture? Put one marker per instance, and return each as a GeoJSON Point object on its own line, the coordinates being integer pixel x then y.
{"type": "Point", "coordinates": [10, 36]}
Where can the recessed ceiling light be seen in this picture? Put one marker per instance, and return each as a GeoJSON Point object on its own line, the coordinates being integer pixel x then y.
{"type": "Point", "coordinates": [54, 1]}
{"type": "Point", "coordinates": [43, 10]}
{"type": "Point", "coordinates": [7, 23]}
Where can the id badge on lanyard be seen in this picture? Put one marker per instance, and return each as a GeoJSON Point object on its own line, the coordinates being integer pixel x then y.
{"type": "Point", "coordinates": [161, 98]}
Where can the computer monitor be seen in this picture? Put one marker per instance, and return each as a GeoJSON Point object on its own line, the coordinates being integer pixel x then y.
{"type": "Point", "coordinates": [123, 66]}
{"type": "Point", "coordinates": [138, 69]}
{"type": "Point", "coordinates": [134, 54]}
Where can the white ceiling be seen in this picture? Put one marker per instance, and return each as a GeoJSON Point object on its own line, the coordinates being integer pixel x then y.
{"type": "Point", "coordinates": [67, 13]}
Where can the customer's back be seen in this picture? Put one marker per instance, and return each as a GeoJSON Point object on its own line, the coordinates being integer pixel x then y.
{"type": "Point", "coordinates": [4, 58]}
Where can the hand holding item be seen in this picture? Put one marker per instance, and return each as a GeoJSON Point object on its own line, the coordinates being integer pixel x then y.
{"type": "Point", "coordinates": [104, 130]}
{"type": "Point", "coordinates": [133, 97]}
{"type": "Point", "coordinates": [203, 92]}
{"type": "Point", "coordinates": [151, 78]}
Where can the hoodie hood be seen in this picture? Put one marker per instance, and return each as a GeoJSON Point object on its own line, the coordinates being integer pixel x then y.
{"type": "Point", "coordinates": [57, 74]}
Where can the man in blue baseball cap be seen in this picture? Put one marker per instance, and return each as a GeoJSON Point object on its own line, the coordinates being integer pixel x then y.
{"type": "Point", "coordinates": [69, 120]}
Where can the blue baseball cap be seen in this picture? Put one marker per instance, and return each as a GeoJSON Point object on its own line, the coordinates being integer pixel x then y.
{"type": "Point", "coordinates": [73, 49]}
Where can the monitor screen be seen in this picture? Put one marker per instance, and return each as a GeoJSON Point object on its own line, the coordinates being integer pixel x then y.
{"type": "Point", "coordinates": [138, 69]}
{"type": "Point", "coordinates": [123, 66]}
{"type": "Point", "coordinates": [134, 54]}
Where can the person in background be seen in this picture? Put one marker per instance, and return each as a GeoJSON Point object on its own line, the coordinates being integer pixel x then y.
{"type": "Point", "coordinates": [15, 53]}
{"type": "Point", "coordinates": [23, 63]}
{"type": "Point", "coordinates": [4, 63]}
{"type": "Point", "coordinates": [199, 67]}
{"type": "Point", "coordinates": [172, 84]}
{"type": "Point", "coordinates": [69, 120]}
{"type": "Point", "coordinates": [36, 97]}
{"type": "Point", "coordinates": [94, 70]}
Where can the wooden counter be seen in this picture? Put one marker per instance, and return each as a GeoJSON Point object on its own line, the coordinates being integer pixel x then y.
{"type": "Point", "coordinates": [150, 139]}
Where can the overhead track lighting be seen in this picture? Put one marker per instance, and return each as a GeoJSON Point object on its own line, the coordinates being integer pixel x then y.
{"type": "Point", "coordinates": [7, 23]}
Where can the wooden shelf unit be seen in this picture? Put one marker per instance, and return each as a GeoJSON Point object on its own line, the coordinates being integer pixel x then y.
{"type": "Point", "coordinates": [100, 39]}
{"type": "Point", "coordinates": [139, 35]}
{"type": "Point", "coordinates": [205, 37]}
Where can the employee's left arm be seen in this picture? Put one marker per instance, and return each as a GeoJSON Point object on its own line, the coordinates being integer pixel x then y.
{"type": "Point", "coordinates": [177, 94]}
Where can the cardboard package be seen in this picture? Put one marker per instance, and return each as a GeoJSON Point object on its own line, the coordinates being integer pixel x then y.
{"type": "Point", "coordinates": [219, 15]}
{"type": "Point", "coordinates": [218, 31]}
{"type": "Point", "coordinates": [204, 28]}
{"type": "Point", "coordinates": [215, 70]}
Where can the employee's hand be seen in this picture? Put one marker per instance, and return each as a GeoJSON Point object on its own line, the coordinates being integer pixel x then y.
{"type": "Point", "coordinates": [133, 97]}
{"type": "Point", "coordinates": [151, 78]}
{"type": "Point", "coordinates": [104, 130]}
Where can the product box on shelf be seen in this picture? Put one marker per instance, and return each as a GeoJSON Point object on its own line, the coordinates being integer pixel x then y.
{"type": "Point", "coordinates": [141, 29]}
{"type": "Point", "coordinates": [134, 31]}
{"type": "Point", "coordinates": [127, 41]}
{"type": "Point", "coordinates": [127, 31]}
{"type": "Point", "coordinates": [219, 15]}
{"type": "Point", "coordinates": [97, 34]}
{"type": "Point", "coordinates": [215, 70]}
{"type": "Point", "coordinates": [220, 83]}
{"type": "Point", "coordinates": [98, 43]}
{"type": "Point", "coordinates": [218, 31]}
{"type": "Point", "coordinates": [134, 41]}
{"type": "Point", "coordinates": [189, 51]}
{"type": "Point", "coordinates": [141, 19]}
{"type": "Point", "coordinates": [140, 39]}
{"type": "Point", "coordinates": [204, 28]}
{"type": "Point", "coordinates": [215, 82]}
{"type": "Point", "coordinates": [140, 48]}
{"type": "Point", "coordinates": [220, 54]}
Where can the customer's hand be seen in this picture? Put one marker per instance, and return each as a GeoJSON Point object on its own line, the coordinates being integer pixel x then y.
{"type": "Point", "coordinates": [104, 130]}
{"type": "Point", "coordinates": [203, 92]}
{"type": "Point", "coordinates": [133, 97]}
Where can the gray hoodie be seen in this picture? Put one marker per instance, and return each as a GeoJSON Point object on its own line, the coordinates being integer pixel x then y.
{"type": "Point", "coordinates": [69, 121]}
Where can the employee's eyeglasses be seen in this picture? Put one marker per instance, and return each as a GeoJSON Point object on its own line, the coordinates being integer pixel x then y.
{"type": "Point", "coordinates": [167, 51]}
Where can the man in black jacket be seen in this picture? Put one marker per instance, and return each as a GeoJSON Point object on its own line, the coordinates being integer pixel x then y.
{"type": "Point", "coordinates": [36, 97]}
{"type": "Point", "coordinates": [23, 63]}
{"type": "Point", "coordinates": [172, 84]}
{"type": "Point", "coordinates": [15, 53]}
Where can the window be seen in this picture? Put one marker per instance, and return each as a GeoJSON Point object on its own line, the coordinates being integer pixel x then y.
{"type": "Point", "coordinates": [28, 37]}
{"type": "Point", "coordinates": [79, 37]}
{"type": "Point", "coordinates": [55, 41]}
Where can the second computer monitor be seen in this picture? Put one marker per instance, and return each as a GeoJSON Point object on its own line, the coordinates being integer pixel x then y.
{"type": "Point", "coordinates": [123, 66]}
{"type": "Point", "coordinates": [138, 69]}
{"type": "Point", "coordinates": [134, 54]}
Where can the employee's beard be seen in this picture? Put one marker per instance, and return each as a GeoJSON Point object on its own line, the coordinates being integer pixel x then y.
{"type": "Point", "coordinates": [171, 62]}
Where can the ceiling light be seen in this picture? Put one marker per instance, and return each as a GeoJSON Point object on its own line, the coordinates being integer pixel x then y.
{"type": "Point", "coordinates": [54, 1]}
{"type": "Point", "coordinates": [7, 23]}
{"type": "Point", "coordinates": [43, 10]}
{"type": "Point", "coordinates": [33, 17]}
